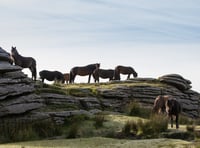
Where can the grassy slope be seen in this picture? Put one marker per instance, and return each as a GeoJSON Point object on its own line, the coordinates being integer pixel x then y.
{"type": "Point", "coordinates": [116, 122]}
{"type": "Point", "coordinates": [100, 143]}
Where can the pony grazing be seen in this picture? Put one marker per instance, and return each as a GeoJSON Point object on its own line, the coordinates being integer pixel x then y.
{"type": "Point", "coordinates": [124, 70]}
{"type": "Point", "coordinates": [173, 108]}
{"type": "Point", "coordinates": [51, 76]}
{"type": "Point", "coordinates": [83, 71]}
{"type": "Point", "coordinates": [103, 73]}
{"type": "Point", "coordinates": [24, 62]}
{"type": "Point", "coordinates": [66, 77]}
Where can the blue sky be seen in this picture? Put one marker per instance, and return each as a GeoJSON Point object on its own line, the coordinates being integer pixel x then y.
{"type": "Point", "coordinates": [155, 37]}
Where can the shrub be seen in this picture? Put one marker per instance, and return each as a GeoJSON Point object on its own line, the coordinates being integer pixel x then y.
{"type": "Point", "coordinates": [134, 109]}
{"type": "Point", "coordinates": [190, 128]}
{"type": "Point", "coordinates": [46, 128]}
{"type": "Point", "coordinates": [73, 130]}
{"type": "Point", "coordinates": [74, 123]}
{"type": "Point", "coordinates": [185, 120]}
{"type": "Point", "coordinates": [127, 128]}
{"type": "Point", "coordinates": [99, 120]}
{"type": "Point", "coordinates": [16, 130]}
{"type": "Point", "coordinates": [147, 129]}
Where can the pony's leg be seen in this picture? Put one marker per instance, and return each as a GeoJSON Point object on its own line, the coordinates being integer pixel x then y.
{"type": "Point", "coordinates": [72, 78]}
{"type": "Point", "coordinates": [89, 78]}
{"type": "Point", "coordinates": [128, 77]}
{"type": "Point", "coordinates": [171, 121]}
{"type": "Point", "coordinates": [33, 72]}
{"type": "Point", "coordinates": [177, 125]}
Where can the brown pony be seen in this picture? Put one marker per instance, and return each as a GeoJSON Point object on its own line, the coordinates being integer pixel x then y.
{"type": "Point", "coordinates": [167, 104]}
{"type": "Point", "coordinates": [173, 108]}
{"type": "Point", "coordinates": [83, 71]}
{"type": "Point", "coordinates": [159, 104]}
{"type": "Point", "coordinates": [66, 77]}
{"type": "Point", "coordinates": [103, 73]}
{"type": "Point", "coordinates": [124, 70]}
{"type": "Point", "coordinates": [24, 62]}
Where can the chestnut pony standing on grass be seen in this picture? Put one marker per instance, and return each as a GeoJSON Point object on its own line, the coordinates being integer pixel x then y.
{"type": "Point", "coordinates": [66, 77]}
{"type": "Point", "coordinates": [24, 62]}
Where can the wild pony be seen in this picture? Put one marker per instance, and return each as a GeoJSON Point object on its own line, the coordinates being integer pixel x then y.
{"type": "Point", "coordinates": [83, 71]}
{"type": "Point", "coordinates": [124, 70]}
{"type": "Point", "coordinates": [159, 104]}
{"type": "Point", "coordinates": [173, 108]}
{"type": "Point", "coordinates": [55, 76]}
{"type": "Point", "coordinates": [66, 77]}
{"type": "Point", "coordinates": [167, 104]}
{"type": "Point", "coordinates": [103, 73]}
{"type": "Point", "coordinates": [24, 62]}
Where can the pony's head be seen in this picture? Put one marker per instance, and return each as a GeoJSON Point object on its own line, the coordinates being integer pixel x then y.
{"type": "Point", "coordinates": [13, 50]}
{"type": "Point", "coordinates": [135, 74]}
{"type": "Point", "coordinates": [97, 65]}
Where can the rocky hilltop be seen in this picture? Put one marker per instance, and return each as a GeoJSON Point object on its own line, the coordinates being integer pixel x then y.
{"type": "Point", "coordinates": [22, 98]}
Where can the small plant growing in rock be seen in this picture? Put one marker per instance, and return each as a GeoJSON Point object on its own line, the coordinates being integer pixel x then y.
{"type": "Point", "coordinates": [99, 120]}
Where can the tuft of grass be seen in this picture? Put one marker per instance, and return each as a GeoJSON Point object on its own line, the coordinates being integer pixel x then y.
{"type": "Point", "coordinates": [14, 130]}
{"type": "Point", "coordinates": [135, 109]}
{"type": "Point", "coordinates": [190, 128]}
{"type": "Point", "coordinates": [147, 129]}
{"type": "Point", "coordinates": [46, 128]}
{"type": "Point", "coordinates": [73, 125]}
{"type": "Point", "coordinates": [99, 120]}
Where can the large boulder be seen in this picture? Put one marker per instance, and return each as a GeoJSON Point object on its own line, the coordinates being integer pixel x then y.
{"type": "Point", "coordinates": [176, 80]}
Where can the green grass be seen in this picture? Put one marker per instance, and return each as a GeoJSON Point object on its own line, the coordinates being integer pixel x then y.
{"type": "Point", "coordinates": [99, 142]}
{"type": "Point", "coordinates": [91, 135]}
{"type": "Point", "coordinates": [91, 89]}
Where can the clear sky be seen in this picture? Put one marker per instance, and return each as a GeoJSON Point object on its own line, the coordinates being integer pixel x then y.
{"type": "Point", "coordinates": [155, 37]}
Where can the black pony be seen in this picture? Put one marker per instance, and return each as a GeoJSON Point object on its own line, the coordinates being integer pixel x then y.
{"type": "Point", "coordinates": [124, 70]}
{"type": "Point", "coordinates": [51, 76]}
{"type": "Point", "coordinates": [24, 62]}
{"type": "Point", "coordinates": [103, 73]}
{"type": "Point", "coordinates": [173, 108]}
{"type": "Point", "coordinates": [83, 71]}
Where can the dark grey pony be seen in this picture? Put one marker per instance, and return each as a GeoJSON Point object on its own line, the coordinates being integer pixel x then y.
{"type": "Point", "coordinates": [126, 70]}
{"type": "Point", "coordinates": [103, 73]}
{"type": "Point", "coordinates": [51, 76]}
{"type": "Point", "coordinates": [24, 62]}
{"type": "Point", "coordinates": [173, 108]}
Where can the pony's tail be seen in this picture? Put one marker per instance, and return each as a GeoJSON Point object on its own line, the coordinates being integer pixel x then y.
{"type": "Point", "coordinates": [71, 79]}
{"type": "Point", "coordinates": [34, 71]}
{"type": "Point", "coordinates": [116, 74]}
